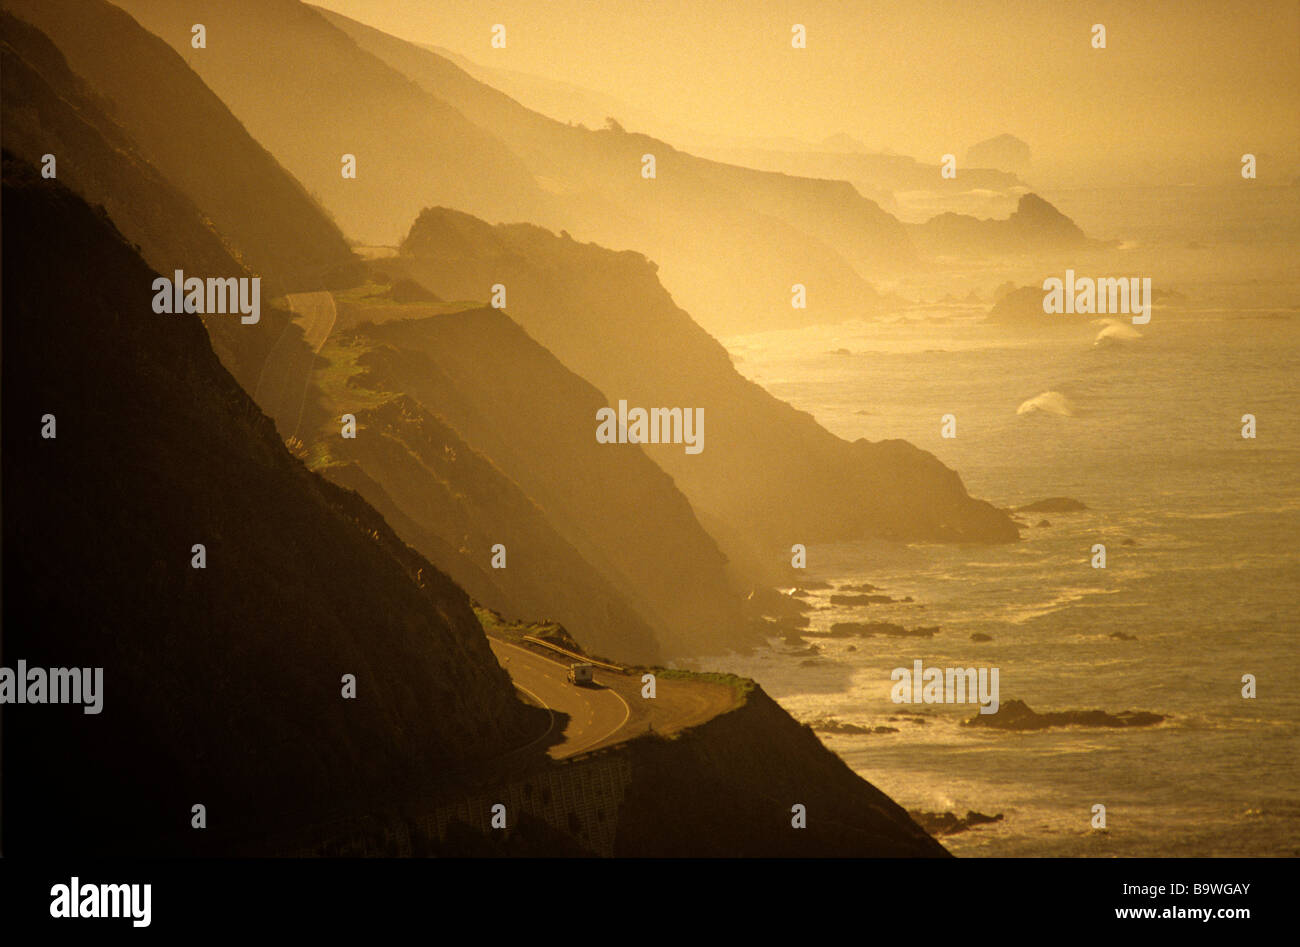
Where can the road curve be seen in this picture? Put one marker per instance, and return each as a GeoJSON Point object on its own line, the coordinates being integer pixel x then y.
{"type": "Point", "coordinates": [596, 714]}
{"type": "Point", "coordinates": [316, 314]}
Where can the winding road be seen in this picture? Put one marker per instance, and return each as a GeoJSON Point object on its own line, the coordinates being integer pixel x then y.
{"type": "Point", "coordinates": [596, 714]}
{"type": "Point", "coordinates": [316, 313]}
{"type": "Point", "coordinates": [613, 710]}
{"type": "Point", "coordinates": [282, 387]}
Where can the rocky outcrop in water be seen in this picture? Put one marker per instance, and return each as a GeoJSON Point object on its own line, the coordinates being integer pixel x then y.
{"type": "Point", "coordinates": [949, 823]}
{"type": "Point", "coordinates": [1053, 505]}
{"type": "Point", "coordinates": [869, 629]}
{"type": "Point", "coordinates": [1016, 715]}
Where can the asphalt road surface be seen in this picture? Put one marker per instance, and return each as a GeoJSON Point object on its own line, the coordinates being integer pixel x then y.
{"type": "Point", "coordinates": [596, 714]}
{"type": "Point", "coordinates": [316, 313]}
{"type": "Point", "coordinates": [285, 380]}
{"type": "Point", "coordinates": [614, 709]}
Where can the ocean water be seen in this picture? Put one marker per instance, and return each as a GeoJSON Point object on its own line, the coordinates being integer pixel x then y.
{"type": "Point", "coordinates": [1143, 424]}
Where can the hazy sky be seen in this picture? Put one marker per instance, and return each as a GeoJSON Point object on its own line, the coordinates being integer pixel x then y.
{"type": "Point", "coordinates": [1183, 83]}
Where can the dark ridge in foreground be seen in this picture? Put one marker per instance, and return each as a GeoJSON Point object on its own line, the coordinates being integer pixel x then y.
{"type": "Point", "coordinates": [49, 110]}
{"type": "Point", "coordinates": [727, 789]}
{"type": "Point", "coordinates": [183, 129]}
{"type": "Point", "coordinates": [724, 789]}
{"type": "Point", "coordinates": [222, 685]}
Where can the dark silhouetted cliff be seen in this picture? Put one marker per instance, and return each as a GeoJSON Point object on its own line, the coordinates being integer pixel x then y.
{"type": "Point", "coordinates": [185, 131]}
{"type": "Point", "coordinates": [221, 685]}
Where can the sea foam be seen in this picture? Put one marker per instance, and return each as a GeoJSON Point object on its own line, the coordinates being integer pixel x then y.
{"type": "Point", "coordinates": [1049, 402]}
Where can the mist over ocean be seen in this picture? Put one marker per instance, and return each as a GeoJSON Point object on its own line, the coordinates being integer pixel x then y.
{"type": "Point", "coordinates": [1144, 426]}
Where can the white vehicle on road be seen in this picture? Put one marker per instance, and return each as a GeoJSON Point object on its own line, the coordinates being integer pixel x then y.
{"type": "Point", "coordinates": [581, 673]}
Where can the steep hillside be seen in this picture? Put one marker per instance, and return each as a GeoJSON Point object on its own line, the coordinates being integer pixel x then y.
{"type": "Point", "coordinates": [453, 505]}
{"type": "Point", "coordinates": [221, 685]}
{"type": "Point", "coordinates": [732, 239]}
{"type": "Point", "coordinates": [606, 163]}
{"type": "Point", "coordinates": [769, 476]}
{"type": "Point", "coordinates": [451, 513]}
{"type": "Point", "coordinates": [535, 421]}
{"type": "Point", "coordinates": [310, 95]}
{"type": "Point", "coordinates": [888, 179]}
{"type": "Point", "coordinates": [1035, 227]}
{"type": "Point", "coordinates": [727, 789]}
{"type": "Point", "coordinates": [48, 110]}
{"type": "Point", "coordinates": [724, 788]}
{"type": "Point", "coordinates": [731, 242]}
{"type": "Point", "coordinates": [189, 135]}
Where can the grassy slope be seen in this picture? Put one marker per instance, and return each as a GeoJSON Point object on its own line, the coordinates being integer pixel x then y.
{"type": "Point", "coordinates": [453, 504]}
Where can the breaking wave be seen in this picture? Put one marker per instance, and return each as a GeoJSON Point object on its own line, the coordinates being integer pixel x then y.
{"type": "Point", "coordinates": [1049, 402]}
